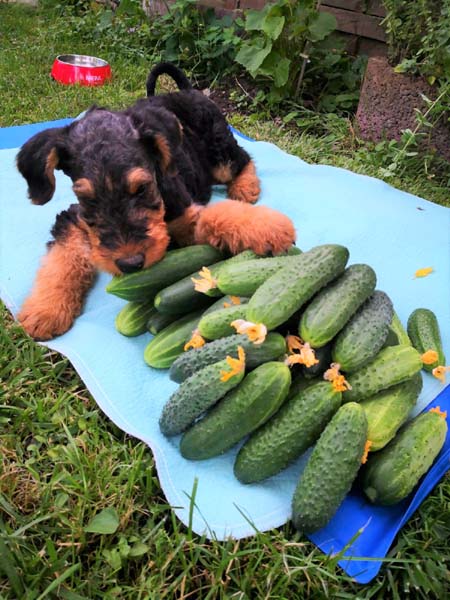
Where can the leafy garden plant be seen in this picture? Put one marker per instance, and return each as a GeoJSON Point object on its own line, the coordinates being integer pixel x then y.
{"type": "Point", "coordinates": [419, 37]}
{"type": "Point", "coordinates": [289, 47]}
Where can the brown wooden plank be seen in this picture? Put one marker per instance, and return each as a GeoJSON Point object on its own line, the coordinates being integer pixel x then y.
{"type": "Point", "coordinates": [358, 24]}
{"type": "Point", "coordinates": [356, 5]}
{"type": "Point", "coordinates": [220, 4]}
{"type": "Point", "coordinates": [255, 4]}
{"type": "Point", "coordinates": [376, 8]}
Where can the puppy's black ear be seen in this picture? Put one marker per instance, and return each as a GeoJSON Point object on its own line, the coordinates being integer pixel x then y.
{"type": "Point", "coordinates": [159, 130]}
{"type": "Point", "coordinates": [37, 160]}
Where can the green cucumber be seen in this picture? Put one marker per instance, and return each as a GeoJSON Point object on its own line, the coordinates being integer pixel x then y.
{"type": "Point", "coordinates": [365, 334]}
{"type": "Point", "coordinates": [224, 264]}
{"type": "Point", "coordinates": [195, 395]}
{"type": "Point", "coordinates": [169, 343]}
{"type": "Point", "coordinates": [391, 474]}
{"type": "Point", "coordinates": [181, 296]}
{"type": "Point", "coordinates": [423, 330]}
{"type": "Point", "coordinates": [331, 469]}
{"type": "Point", "coordinates": [132, 318]}
{"type": "Point", "coordinates": [157, 321]}
{"type": "Point", "coordinates": [217, 324]}
{"type": "Point", "coordinates": [238, 280]}
{"type": "Point", "coordinates": [189, 362]}
{"type": "Point", "coordinates": [243, 279]}
{"type": "Point", "coordinates": [300, 383]}
{"type": "Point", "coordinates": [331, 309]}
{"type": "Point", "coordinates": [288, 434]}
{"type": "Point", "coordinates": [144, 285]}
{"type": "Point", "coordinates": [388, 410]}
{"type": "Point", "coordinates": [293, 251]}
{"type": "Point", "coordinates": [397, 333]}
{"type": "Point", "coordinates": [284, 293]}
{"type": "Point", "coordinates": [392, 365]}
{"type": "Point", "coordinates": [240, 412]}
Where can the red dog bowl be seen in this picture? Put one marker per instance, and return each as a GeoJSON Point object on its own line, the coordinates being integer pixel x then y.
{"type": "Point", "coordinates": [77, 68]}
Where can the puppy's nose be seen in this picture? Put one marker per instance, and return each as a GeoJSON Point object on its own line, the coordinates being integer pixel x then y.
{"type": "Point", "coordinates": [129, 264]}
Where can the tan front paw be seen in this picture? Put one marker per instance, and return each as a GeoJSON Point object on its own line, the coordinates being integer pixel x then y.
{"type": "Point", "coordinates": [245, 187]}
{"type": "Point", "coordinates": [44, 323]}
{"type": "Point", "coordinates": [231, 225]}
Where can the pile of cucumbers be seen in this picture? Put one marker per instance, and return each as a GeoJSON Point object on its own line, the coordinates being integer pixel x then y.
{"type": "Point", "coordinates": [235, 390]}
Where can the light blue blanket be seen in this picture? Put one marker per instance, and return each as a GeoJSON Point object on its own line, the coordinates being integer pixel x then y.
{"type": "Point", "coordinates": [394, 232]}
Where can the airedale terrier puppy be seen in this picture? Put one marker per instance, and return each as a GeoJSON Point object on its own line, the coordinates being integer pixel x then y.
{"type": "Point", "coordinates": [142, 176]}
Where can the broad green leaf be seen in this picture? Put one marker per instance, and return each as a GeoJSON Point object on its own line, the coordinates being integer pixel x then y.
{"type": "Point", "coordinates": [106, 521]}
{"type": "Point", "coordinates": [139, 549]}
{"type": "Point", "coordinates": [251, 56]}
{"type": "Point", "coordinates": [113, 558]}
{"type": "Point", "coordinates": [255, 19]}
{"type": "Point", "coordinates": [321, 25]}
{"type": "Point", "coordinates": [277, 67]}
{"type": "Point", "coordinates": [273, 26]}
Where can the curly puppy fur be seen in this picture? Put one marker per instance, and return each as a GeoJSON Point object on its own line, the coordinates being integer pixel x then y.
{"type": "Point", "coordinates": [141, 177]}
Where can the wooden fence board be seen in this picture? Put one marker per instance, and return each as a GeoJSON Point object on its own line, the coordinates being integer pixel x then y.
{"type": "Point", "coordinates": [357, 23]}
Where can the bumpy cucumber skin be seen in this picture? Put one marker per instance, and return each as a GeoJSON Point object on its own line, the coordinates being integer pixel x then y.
{"type": "Point", "coordinates": [392, 365]}
{"type": "Point", "coordinates": [423, 330]}
{"type": "Point", "coordinates": [189, 362]}
{"type": "Point", "coordinates": [330, 310]}
{"type": "Point", "coordinates": [292, 286]}
{"type": "Point", "coordinates": [218, 324]}
{"type": "Point", "coordinates": [391, 474]}
{"type": "Point", "coordinates": [331, 469]}
{"type": "Point", "coordinates": [169, 343]}
{"type": "Point", "coordinates": [388, 410]}
{"type": "Point", "coordinates": [143, 285]}
{"type": "Point", "coordinates": [244, 279]}
{"type": "Point", "coordinates": [132, 319]}
{"type": "Point", "coordinates": [240, 412]}
{"type": "Point", "coordinates": [365, 334]}
{"type": "Point", "coordinates": [194, 396]}
{"type": "Point", "coordinates": [288, 434]}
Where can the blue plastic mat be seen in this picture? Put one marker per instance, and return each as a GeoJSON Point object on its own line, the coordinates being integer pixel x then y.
{"type": "Point", "coordinates": [394, 232]}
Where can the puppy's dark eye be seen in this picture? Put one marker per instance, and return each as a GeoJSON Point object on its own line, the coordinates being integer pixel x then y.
{"type": "Point", "coordinates": [141, 190]}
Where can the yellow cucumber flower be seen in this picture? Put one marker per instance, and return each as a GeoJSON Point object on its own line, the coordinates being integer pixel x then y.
{"type": "Point", "coordinates": [293, 342]}
{"type": "Point", "coordinates": [438, 411]}
{"type": "Point", "coordinates": [429, 357]}
{"type": "Point", "coordinates": [340, 384]}
{"type": "Point", "coordinates": [196, 341]}
{"type": "Point", "coordinates": [306, 356]}
{"type": "Point", "coordinates": [423, 272]}
{"type": "Point", "coordinates": [256, 332]}
{"type": "Point", "coordinates": [234, 301]}
{"type": "Point", "coordinates": [439, 372]}
{"type": "Point", "coordinates": [206, 281]}
{"type": "Point", "coordinates": [237, 365]}
{"type": "Point", "coordinates": [366, 452]}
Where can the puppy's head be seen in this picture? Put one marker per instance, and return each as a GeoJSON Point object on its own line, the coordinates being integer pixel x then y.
{"type": "Point", "coordinates": [116, 161]}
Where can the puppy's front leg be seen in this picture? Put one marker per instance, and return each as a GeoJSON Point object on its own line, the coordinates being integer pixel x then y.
{"type": "Point", "coordinates": [245, 186]}
{"type": "Point", "coordinates": [182, 229]}
{"type": "Point", "coordinates": [62, 281]}
{"type": "Point", "coordinates": [235, 226]}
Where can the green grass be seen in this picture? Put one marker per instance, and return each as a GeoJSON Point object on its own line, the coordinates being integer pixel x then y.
{"type": "Point", "coordinates": [63, 462]}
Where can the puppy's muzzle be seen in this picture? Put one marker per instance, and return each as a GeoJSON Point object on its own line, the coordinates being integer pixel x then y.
{"type": "Point", "coordinates": [130, 264]}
